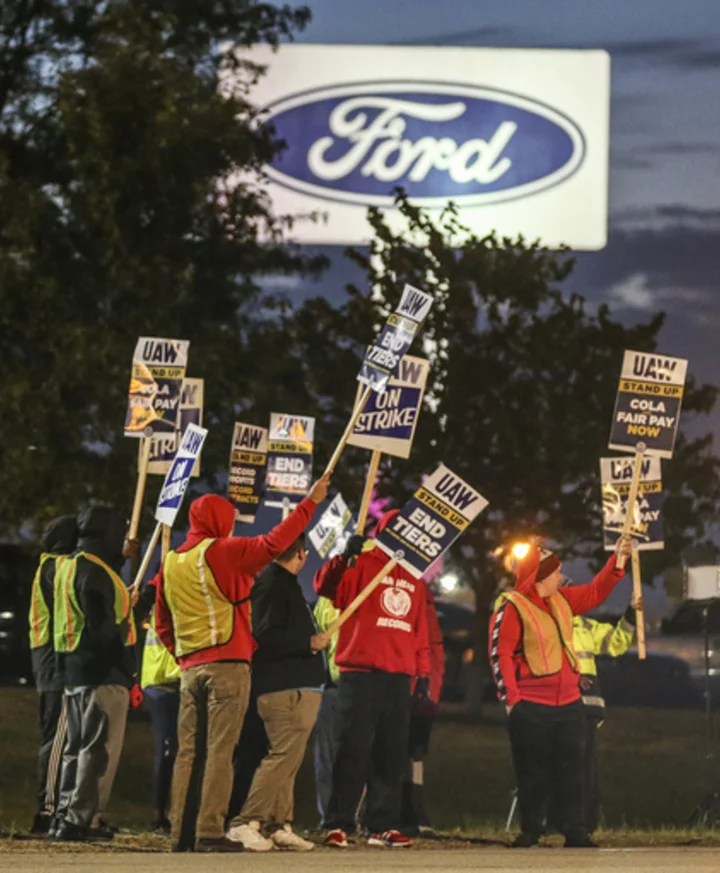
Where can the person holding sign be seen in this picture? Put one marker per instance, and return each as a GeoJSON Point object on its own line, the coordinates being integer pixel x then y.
{"type": "Point", "coordinates": [202, 618]}
{"type": "Point", "coordinates": [536, 670]}
{"type": "Point", "coordinates": [381, 648]}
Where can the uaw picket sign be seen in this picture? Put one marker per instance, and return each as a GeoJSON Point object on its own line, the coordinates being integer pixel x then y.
{"type": "Point", "coordinates": [647, 408]}
{"type": "Point", "coordinates": [382, 358]}
{"type": "Point", "coordinates": [164, 445]}
{"type": "Point", "coordinates": [647, 523]}
{"type": "Point", "coordinates": [178, 476]}
{"type": "Point", "coordinates": [330, 535]}
{"type": "Point", "coordinates": [158, 370]}
{"type": "Point", "coordinates": [517, 138]}
{"type": "Point", "coordinates": [388, 421]}
{"type": "Point", "coordinates": [431, 521]}
{"type": "Point", "coordinates": [248, 459]}
{"type": "Point", "coordinates": [289, 463]}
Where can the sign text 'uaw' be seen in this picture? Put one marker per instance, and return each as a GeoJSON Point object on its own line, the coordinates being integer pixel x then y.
{"type": "Point", "coordinates": [330, 535]}
{"type": "Point", "coordinates": [647, 522]}
{"type": "Point", "coordinates": [248, 459]}
{"type": "Point", "coordinates": [647, 408]}
{"type": "Point", "coordinates": [164, 445]}
{"type": "Point", "coordinates": [178, 476]}
{"type": "Point", "coordinates": [158, 370]}
{"type": "Point", "coordinates": [382, 358]}
{"type": "Point", "coordinates": [289, 463]}
{"type": "Point", "coordinates": [431, 520]}
{"type": "Point", "coordinates": [388, 421]}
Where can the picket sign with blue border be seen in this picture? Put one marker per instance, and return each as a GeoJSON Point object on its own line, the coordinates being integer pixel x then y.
{"type": "Point", "coordinates": [158, 370]}
{"type": "Point", "coordinates": [431, 521]}
{"type": "Point", "coordinates": [647, 524]}
{"type": "Point", "coordinates": [389, 418]}
{"type": "Point", "coordinates": [289, 463]}
{"type": "Point", "coordinates": [383, 357]}
{"type": "Point", "coordinates": [163, 446]}
{"type": "Point", "coordinates": [330, 535]}
{"type": "Point", "coordinates": [178, 476]}
{"type": "Point", "coordinates": [647, 408]}
{"type": "Point", "coordinates": [248, 458]}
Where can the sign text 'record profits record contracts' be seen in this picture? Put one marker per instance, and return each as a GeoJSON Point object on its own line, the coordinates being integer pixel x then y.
{"type": "Point", "coordinates": [248, 457]}
{"type": "Point", "coordinates": [431, 520]}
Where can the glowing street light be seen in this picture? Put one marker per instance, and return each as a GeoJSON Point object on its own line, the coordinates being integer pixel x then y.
{"type": "Point", "coordinates": [449, 582]}
{"type": "Point", "coordinates": [520, 550]}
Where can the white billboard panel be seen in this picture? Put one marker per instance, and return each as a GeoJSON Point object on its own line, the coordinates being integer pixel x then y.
{"type": "Point", "coordinates": [517, 138]}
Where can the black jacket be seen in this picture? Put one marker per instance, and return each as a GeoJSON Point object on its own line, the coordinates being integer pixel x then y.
{"type": "Point", "coordinates": [282, 626]}
{"type": "Point", "coordinates": [59, 538]}
{"type": "Point", "coordinates": [101, 657]}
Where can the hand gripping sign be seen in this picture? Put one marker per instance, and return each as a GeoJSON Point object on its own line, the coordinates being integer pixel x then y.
{"type": "Point", "coordinates": [646, 525]}
{"type": "Point", "coordinates": [174, 488]}
{"type": "Point", "coordinates": [331, 533]}
{"type": "Point", "coordinates": [289, 463]}
{"type": "Point", "coordinates": [164, 445]}
{"type": "Point", "coordinates": [248, 457]}
{"type": "Point", "coordinates": [424, 529]}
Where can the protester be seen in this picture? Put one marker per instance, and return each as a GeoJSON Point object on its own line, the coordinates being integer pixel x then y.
{"type": "Point", "coordinates": [250, 749]}
{"type": "Point", "coordinates": [202, 618]}
{"type": "Point", "coordinates": [326, 726]}
{"type": "Point", "coordinates": [289, 676]}
{"type": "Point", "coordinates": [94, 635]}
{"type": "Point", "coordinates": [536, 671]}
{"type": "Point", "coordinates": [381, 648]}
{"type": "Point", "coordinates": [58, 541]}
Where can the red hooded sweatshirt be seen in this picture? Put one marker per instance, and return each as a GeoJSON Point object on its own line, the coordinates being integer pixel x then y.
{"type": "Point", "coordinates": [234, 561]}
{"type": "Point", "coordinates": [389, 631]}
{"type": "Point", "coordinates": [510, 669]}
{"type": "Point", "coordinates": [437, 658]}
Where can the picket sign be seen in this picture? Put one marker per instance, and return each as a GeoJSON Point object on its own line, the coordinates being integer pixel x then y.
{"type": "Point", "coordinates": [348, 430]}
{"type": "Point", "coordinates": [637, 592]}
{"type": "Point", "coordinates": [640, 449]}
{"type": "Point", "coordinates": [143, 461]}
{"type": "Point", "coordinates": [363, 595]}
{"type": "Point", "coordinates": [367, 493]}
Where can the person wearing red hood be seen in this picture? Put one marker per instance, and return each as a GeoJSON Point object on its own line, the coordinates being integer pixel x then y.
{"type": "Point", "coordinates": [381, 648]}
{"type": "Point", "coordinates": [202, 618]}
{"type": "Point", "coordinates": [536, 672]}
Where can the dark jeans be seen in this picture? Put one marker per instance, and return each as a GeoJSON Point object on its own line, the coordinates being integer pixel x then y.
{"type": "Point", "coordinates": [164, 703]}
{"type": "Point", "coordinates": [414, 814]}
{"type": "Point", "coordinates": [591, 781]}
{"type": "Point", "coordinates": [249, 752]}
{"type": "Point", "coordinates": [373, 719]}
{"type": "Point", "coordinates": [326, 745]}
{"type": "Point", "coordinates": [49, 710]}
{"type": "Point", "coordinates": [548, 748]}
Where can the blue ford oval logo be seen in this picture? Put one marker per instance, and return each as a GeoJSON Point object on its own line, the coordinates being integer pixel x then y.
{"type": "Point", "coordinates": [439, 141]}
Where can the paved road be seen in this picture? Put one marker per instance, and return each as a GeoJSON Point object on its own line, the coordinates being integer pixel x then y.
{"type": "Point", "coordinates": [379, 861]}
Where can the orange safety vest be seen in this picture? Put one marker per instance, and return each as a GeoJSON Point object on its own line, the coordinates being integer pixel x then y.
{"type": "Point", "coordinates": [545, 637]}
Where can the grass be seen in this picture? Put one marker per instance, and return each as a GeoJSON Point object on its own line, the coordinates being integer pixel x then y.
{"type": "Point", "coordinates": [653, 767]}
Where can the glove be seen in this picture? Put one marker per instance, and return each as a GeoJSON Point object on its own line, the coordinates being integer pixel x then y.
{"type": "Point", "coordinates": [354, 547]}
{"type": "Point", "coordinates": [421, 694]}
{"type": "Point", "coordinates": [136, 697]}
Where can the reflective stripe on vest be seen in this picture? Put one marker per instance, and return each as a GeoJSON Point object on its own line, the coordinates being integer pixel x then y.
{"type": "Point", "coordinates": [158, 665]}
{"type": "Point", "coordinates": [545, 636]}
{"type": "Point", "coordinates": [203, 617]}
{"type": "Point", "coordinates": [39, 618]}
{"type": "Point", "coordinates": [68, 615]}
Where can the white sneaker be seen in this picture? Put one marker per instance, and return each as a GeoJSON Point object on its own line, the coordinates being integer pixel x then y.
{"type": "Point", "coordinates": [286, 838]}
{"type": "Point", "coordinates": [249, 835]}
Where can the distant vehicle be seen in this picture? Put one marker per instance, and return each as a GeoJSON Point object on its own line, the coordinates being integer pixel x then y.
{"type": "Point", "coordinates": [661, 680]}
{"type": "Point", "coordinates": [17, 566]}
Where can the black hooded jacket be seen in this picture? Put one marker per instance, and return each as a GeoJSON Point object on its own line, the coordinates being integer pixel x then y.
{"type": "Point", "coordinates": [59, 538]}
{"type": "Point", "coordinates": [101, 657]}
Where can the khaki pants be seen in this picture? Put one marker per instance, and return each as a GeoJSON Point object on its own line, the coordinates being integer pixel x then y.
{"type": "Point", "coordinates": [289, 718]}
{"type": "Point", "coordinates": [213, 700]}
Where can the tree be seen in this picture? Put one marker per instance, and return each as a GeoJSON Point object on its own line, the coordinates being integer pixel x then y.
{"type": "Point", "coordinates": [122, 214]}
{"type": "Point", "coordinates": [521, 391]}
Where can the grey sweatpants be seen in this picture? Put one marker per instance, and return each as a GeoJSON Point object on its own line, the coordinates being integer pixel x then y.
{"type": "Point", "coordinates": [96, 720]}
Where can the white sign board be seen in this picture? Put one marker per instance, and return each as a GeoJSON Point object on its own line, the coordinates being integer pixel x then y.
{"type": "Point", "coordinates": [517, 138]}
{"type": "Point", "coordinates": [331, 533]}
{"type": "Point", "coordinates": [178, 476]}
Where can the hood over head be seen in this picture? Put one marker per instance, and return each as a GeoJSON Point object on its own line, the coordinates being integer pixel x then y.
{"type": "Point", "coordinates": [60, 536]}
{"type": "Point", "coordinates": [537, 565]}
{"type": "Point", "coordinates": [101, 531]}
{"type": "Point", "coordinates": [211, 516]}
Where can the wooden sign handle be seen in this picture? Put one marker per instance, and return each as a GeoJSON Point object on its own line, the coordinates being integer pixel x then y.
{"type": "Point", "coordinates": [632, 497]}
{"type": "Point", "coordinates": [364, 397]}
{"type": "Point", "coordinates": [165, 542]}
{"type": "Point", "coordinates": [143, 461]}
{"type": "Point", "coordinates": [637, 594]}
{"type": "Point", "coordinates": [361, 598]}
{"type": "Point", "coordinates": [146, 557]}
{"type": "Point", "coordinates": [367, 493]}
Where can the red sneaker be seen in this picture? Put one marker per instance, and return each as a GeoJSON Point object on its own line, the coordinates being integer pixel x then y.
{"type": "Point", "coordinates": [337, 838]}
{"type": "Point", "coordinates": [389, 839]}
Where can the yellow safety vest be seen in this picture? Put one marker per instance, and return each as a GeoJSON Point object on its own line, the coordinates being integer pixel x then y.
{"type": "Point", "coordinates": [545, 637]}
{"type": "Point", "coordinates": [69, 619]}
{"type": "Point", "coordinates": [158, 665]}
{"type": "Point", "coordinates": [39, 618]}
{"type": "Point", "coordinates": [325, 614]}
{"type": "Point", "coordinates": [591, 638]}
{"type": "Point", "coordinates": [203, 617]}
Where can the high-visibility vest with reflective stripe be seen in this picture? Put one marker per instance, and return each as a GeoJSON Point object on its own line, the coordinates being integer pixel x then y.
{"type": "Point", "coordinates": [158, 665]}
{"type": "Point", "coordinates": [545, 637]}
{"type": "Point", "coordinates": [68, 615]}
{"type": "Point", "coordinates": [203, 617]}
{"type": "Point", "coordinates": [39, 618]}
{"type": "Point", "coordinates": [592, 638]}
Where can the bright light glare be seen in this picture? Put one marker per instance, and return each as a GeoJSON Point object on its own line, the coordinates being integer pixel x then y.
{"type": "Point", "coordinates": [449, 582]}
{"type": "Point", "coordinates": [7, 615]}
{"type": "Point", "coordinates": [520, 550]}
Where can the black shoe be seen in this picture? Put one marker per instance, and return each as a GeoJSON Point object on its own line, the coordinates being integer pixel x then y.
{"type": "Point", "coordinates": [161, 826]}
{"type": "Point", "coordinates": [101, 834]}
{"type": "Point", "coordinates": [182, 847]}
{"type": "Point", "coordinates": [218, 844]}
{"type": "Point", "coordinates": [67, 832]}
{"type": "Point", "coordinates": [525, 841]}
{"type": "Point", "coordinates": [105, 826]}
{"type": "Point", "coordinates": [41, 824]}
{"type": "Point", "coordinates": [580, 840]}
